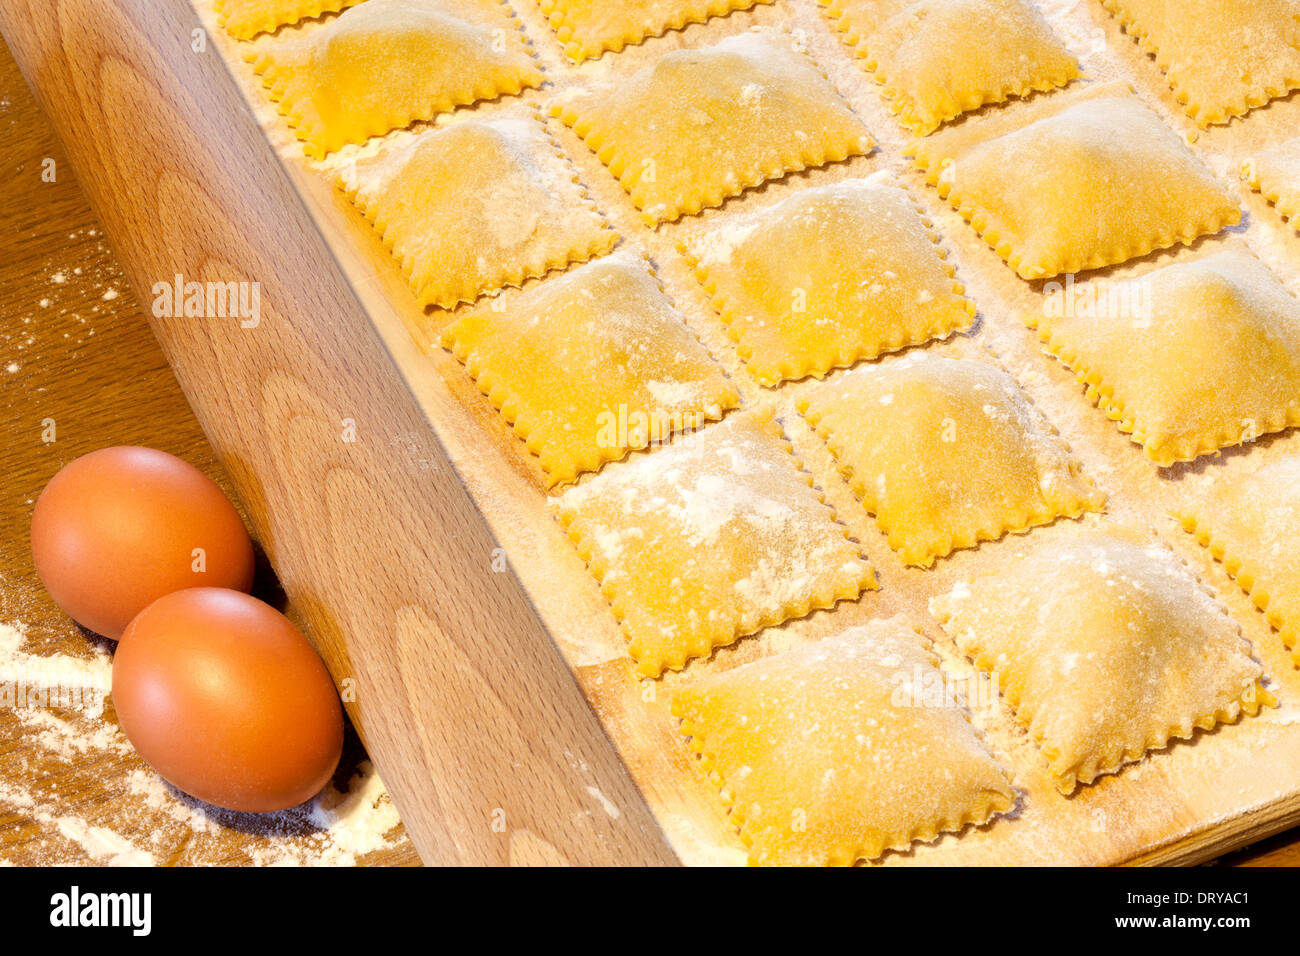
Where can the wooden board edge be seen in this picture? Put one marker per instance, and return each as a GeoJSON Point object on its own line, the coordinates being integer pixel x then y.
{"type": "Point", "coordinates": [1224, 836]}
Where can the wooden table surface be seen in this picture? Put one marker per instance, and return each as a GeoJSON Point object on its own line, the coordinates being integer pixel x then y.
{"type": "Point", "coordinates": [77, 354]}
{"type": "Point", "coordinates": [76, 351]}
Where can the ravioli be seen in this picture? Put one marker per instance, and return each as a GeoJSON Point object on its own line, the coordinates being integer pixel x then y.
{"type": "Point", "coordinates": [946, 453]}
{"type": "Point", "coordinates": [353, 77]}
{"type": "Point", "coordinates": [1106, 647]}
{"type": "Point", "coordinates": [719, 535]}
{"type": "Point", "coordinates": [821, 762]}
{"type": "Point", "coordinates": [245, 19]}
{"type": "Point", "coordinates": [832, 275]}
{"type": "Point", "coordinates": [938, 59]}
{"type": "Point", "coordinates": [1080, 180]}
{"type": "Point", "coordinates": [1190, 358]}
{"type": "Point", "coordinates": [477, 206]}
{"type": "Point", "coordinates": [1276, 174]}
{"type": "Point", "coordinates": [590, 365]}
{"type": "Point", "coordinates": [1252, 525]}
{"type": "Point", "coordinates": [1221, 57]}
{"type": "Point", "coordinates": [700, 126]}
{"type": "Point", "coordinates": [590, 28]}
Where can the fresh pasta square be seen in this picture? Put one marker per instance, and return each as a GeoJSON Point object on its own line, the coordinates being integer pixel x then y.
{"type": "Point", "coordinates": [1192, 357]}
{"type": "Point", "coordinates": [700, 126]}
{"type": "Point", "coordinates": [828, 277]}
{"type": "Point", "coordinates": [822, 762]}
{"type": "Point", "coordinates": [477, 206]}
{"type": "Point", "coordinates": [353, 77]}
{"type": "Point", "coordinates": [589, 28]}
{"type": "Point", "coordinates": [946, 453]}
{"type": "Point", "coordinates": [1080, 180]}
{"type": "Point", "coordinates": [937, 59]}
{"type": "Point", "coordinates": [717, 536]}
{"type": "Point", "coordinates": [1106, 647]}
{"type": "Point", "coordinates": [592, 364]}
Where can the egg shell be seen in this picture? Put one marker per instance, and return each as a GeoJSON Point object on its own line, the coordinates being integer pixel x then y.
{"type": "Point", "coordinates": [118, 528]}
{"type": "Point", "coordinates": [227, 700]}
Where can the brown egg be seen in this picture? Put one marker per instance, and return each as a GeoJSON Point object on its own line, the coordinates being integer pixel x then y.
{"type": "Point", "coordinates": [227, 700]}
{"type": "Point", "coordinates": [120, 527]}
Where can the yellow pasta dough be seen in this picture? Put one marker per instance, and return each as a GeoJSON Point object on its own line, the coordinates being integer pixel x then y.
{"type": "Point", "coordinates": [938, 59]}
{"type": "Point", "coordinates": [1106, 647]}
{"type": "Point", "coordinates": [702, 125]}
{"type": "Point", "coordinates": [1276, 174]}
{"type": "Point", "coordinates": [714, 537]}
{"type": "Point", "coordinates": [356, 76]}
{"type": "Point", "coordinates": [244, 19]}
{"type": "Point", "coordinates": [829, 276]}
{"type": "Point", "coordinates": [589, 28]}
{"type": "Point", "coordinates": [592, 364]}
{"type": "Point", "coordinates": [1252, 525]}
{"type": "Point", "coordinates": [477, 206]}
{"type": "Point", "coordinates": [1189, 358]}
{"type": "Point", "coordinates": [1083, 179]}
{"type": "Point", "coordinates": [946, 453]}
{"type": "Point", "coordinates": [1222, 57]}
{"type": "Point", "coordinates": [823, 761]}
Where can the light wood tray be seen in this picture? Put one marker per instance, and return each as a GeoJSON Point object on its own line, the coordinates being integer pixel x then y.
{"type": "Point", "coordinates": [389, 541]}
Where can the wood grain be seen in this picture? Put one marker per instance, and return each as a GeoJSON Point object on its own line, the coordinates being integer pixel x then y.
{"type": "Point", "coordinates": [69, 325]}
{"type": "Point", "coordinates": [486, 743]}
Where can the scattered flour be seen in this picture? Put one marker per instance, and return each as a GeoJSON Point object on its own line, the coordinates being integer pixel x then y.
{"type": "Point", "coordinates": [150, 822]}
{"type": "Point", "coordinates": [16, 664]}
{"type": "Point", "coordinates": [101, 845]}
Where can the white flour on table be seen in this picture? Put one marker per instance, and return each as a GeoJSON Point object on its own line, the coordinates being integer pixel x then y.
{"type": "Point", "coordinates": [139, 819]}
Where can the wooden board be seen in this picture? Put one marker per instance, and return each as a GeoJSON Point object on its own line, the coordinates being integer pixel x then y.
{"type": "Point", "coordinates": [72, 790]}
{"type": "Point", "coordinates": [1190, 802]}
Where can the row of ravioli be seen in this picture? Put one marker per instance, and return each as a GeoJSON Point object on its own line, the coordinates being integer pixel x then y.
{"type": "Point", "coordinates": [1071, 182]}
{"type": "Point", "coordinates": [700, 126]}
{"type": "Point", "coordinates": [935, 59]}
{"type": "Point", "coordinates": [722, 534]}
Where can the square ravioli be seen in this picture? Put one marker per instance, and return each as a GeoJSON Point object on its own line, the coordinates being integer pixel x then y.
{"type": "Point", "coordinates": [717, 536]}
{"type": "Point", "coordinates": [351, 78]}
{"type": "Point", "coordinates": [1106, 647]}
{"type": "Point", "coordinates": [245, 19]}
{"type": "Point", "coordinates": [1080, 180]}
{"type": "Point", "coordinates": [1188, 359]}
{"type": "Point", "coordinates": [823, 762]}
{"type": "Point", "coordinates": [591, 365]}
{"type": "Point", "coordinates": [946, 453]}
{"type": "Point", "coordinates": [938, 59]}
{"type": "Point", "coordinates": [1275, 173]}
{"type": "Point", "coordinates": [590, 28]}
{"type": "Point", "coordinates": [477, 206]}
{"type": "Point", "coordinates": [1221, 57]}
{"type": "Point", "coordinates": [1252, 525]}
{"type": "Point", "coordinates": [829, 276]}
{"type": "Point", "coordinates": [700, 126]}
